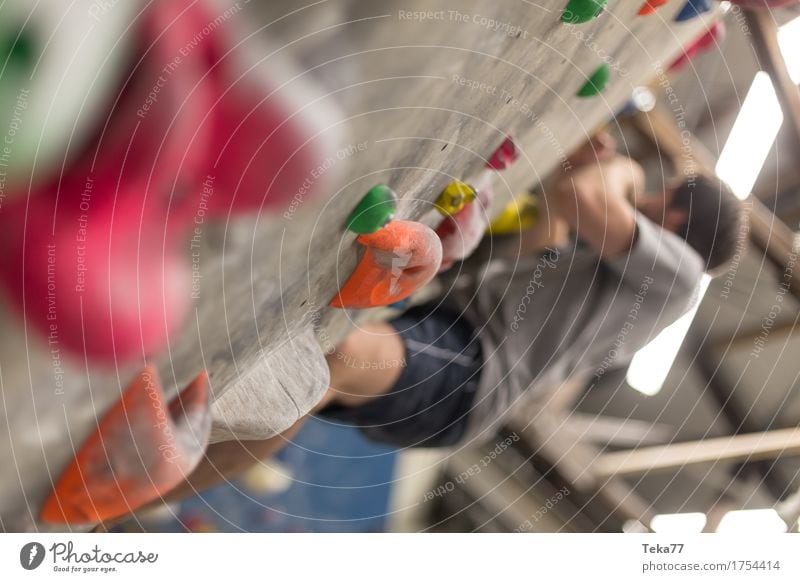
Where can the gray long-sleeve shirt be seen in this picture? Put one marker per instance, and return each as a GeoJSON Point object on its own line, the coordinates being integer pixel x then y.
{"type": "Point", "coordinates": [545, 317]}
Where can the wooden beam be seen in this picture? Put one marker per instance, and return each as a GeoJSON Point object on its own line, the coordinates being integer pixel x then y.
{"type": "Point", "coordinates": [659, 127]}
{"type": "Point", "coordinates": [718, 510]}
{"type": "Point", "coordinates": [504, 497]}
{"type": "Point", "coordinates": [745, 447]}
{"type": "Point", "coordinates": [789, 510]}
{"type": "Point", "coordinates": [772, 235]}
{"type": "Point", "coordinates": [545, 436]}
{"type": "Point", "coordinates": [619, 432]}
{"type": "Point", "coordinates": [744, 339]}
{"type": "Point", "coordinates": [738, 415]}
{"type": "Point", "coordinates": [770, 59]}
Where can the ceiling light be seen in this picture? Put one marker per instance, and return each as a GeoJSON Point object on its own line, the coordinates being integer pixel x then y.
{"type": "Point", "coordinates": [789, 42]}
{"type": "Point", "coordinates": [678, 523]}
{"type": "Point", "coordinates": [752, 521]}
{"type": "Point", "coordinates": [651, 364]}
{"type": "Point", "coordinates": [751, 138]}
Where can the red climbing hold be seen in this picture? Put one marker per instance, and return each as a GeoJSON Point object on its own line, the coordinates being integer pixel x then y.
{"type": "Point", "coordinates": [140, 450]}
{"type": "Point", "coordinates": [503, 156]}
{"type": "Point", "coordinates": [399, 259]}
{"type": "Point", "coordinates": [708, 40]}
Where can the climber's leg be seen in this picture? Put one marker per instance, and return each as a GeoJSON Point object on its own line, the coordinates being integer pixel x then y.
{"type": "Point", "coordinates": [366, 364]}
{"type": "Point", "coordinates": [410, 382]}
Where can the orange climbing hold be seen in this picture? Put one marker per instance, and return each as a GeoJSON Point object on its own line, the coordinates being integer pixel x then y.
{"type": "Point", "coordinates": [650, 7]}
{"type": "Point", "coordinates": [140, 450]}
{"type": "Point", "coordinates": [399, 259]}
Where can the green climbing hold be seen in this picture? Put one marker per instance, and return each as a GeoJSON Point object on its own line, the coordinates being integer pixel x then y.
{"type": "Point", "coordinates": [597, 82]}
{"type": "Point", "coordinates": [17, 48]}
{"type": "Point", "coordinates": [579, 11]}
{"type": "Point", "coordinates": [374, 211]}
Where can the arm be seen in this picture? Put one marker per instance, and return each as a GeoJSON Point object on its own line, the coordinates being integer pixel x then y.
{"type": "Point", "coordinates": [599, 148]}
{"type": "Point", "coordinates": [593, 201]}
{"type": "Point", "coordinates": [552, 230]}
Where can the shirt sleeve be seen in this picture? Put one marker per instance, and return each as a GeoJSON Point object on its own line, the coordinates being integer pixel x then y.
{"type": "Point", "coordinates": [664, 264]}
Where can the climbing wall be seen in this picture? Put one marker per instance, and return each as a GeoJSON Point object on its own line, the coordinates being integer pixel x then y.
{"type": "Point", "coordinates": [410, 94]}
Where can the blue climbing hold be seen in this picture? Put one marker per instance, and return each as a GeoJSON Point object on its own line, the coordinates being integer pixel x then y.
{"type": "Point", "coordinates": [628, 109]}
{"type": "Point", "coordinates": [692, 9]}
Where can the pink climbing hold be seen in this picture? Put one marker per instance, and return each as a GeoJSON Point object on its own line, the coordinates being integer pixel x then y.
{"type": "Point", "coordinates": [503, 156]}
{"type": "Point", "coordinates": [98, 251]}
{"type": "Point", "coordinates": [461, 233]}
{"type": "Point", "coordinates": [213, 119]}
{"type": "Point", "coordinates": [101, 278]}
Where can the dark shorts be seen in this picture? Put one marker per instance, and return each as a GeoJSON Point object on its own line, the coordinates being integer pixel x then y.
{"type": "Point", "coordinates": [430, 403]}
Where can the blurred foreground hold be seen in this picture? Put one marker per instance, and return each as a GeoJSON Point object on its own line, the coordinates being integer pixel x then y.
{"type": "Point", "coordinates": [142, 448]}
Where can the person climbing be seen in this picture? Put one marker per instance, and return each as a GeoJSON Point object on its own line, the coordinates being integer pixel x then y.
{"type": "Point", "coordinates": [606, 270]}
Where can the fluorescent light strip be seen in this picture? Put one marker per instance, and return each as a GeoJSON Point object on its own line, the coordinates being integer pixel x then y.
{"type": "Point", "coordinates": [752, 521]}
{"type": "Point", "coordinates": [751, 138]}
{"type": "Point", "coordinates": [678, 523]}
{"type": "Point", "coordinates": [651, 364]}
{"type": "Point", "coordinates": [759, 120]}
{"type": "Point", "coordinates": [789, 43]}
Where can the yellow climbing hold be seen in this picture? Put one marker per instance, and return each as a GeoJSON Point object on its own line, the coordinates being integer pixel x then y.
{"type": "Point", "coordinates": [454, 197]}
{"type": "Point", "coordinates": [518, 215]}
